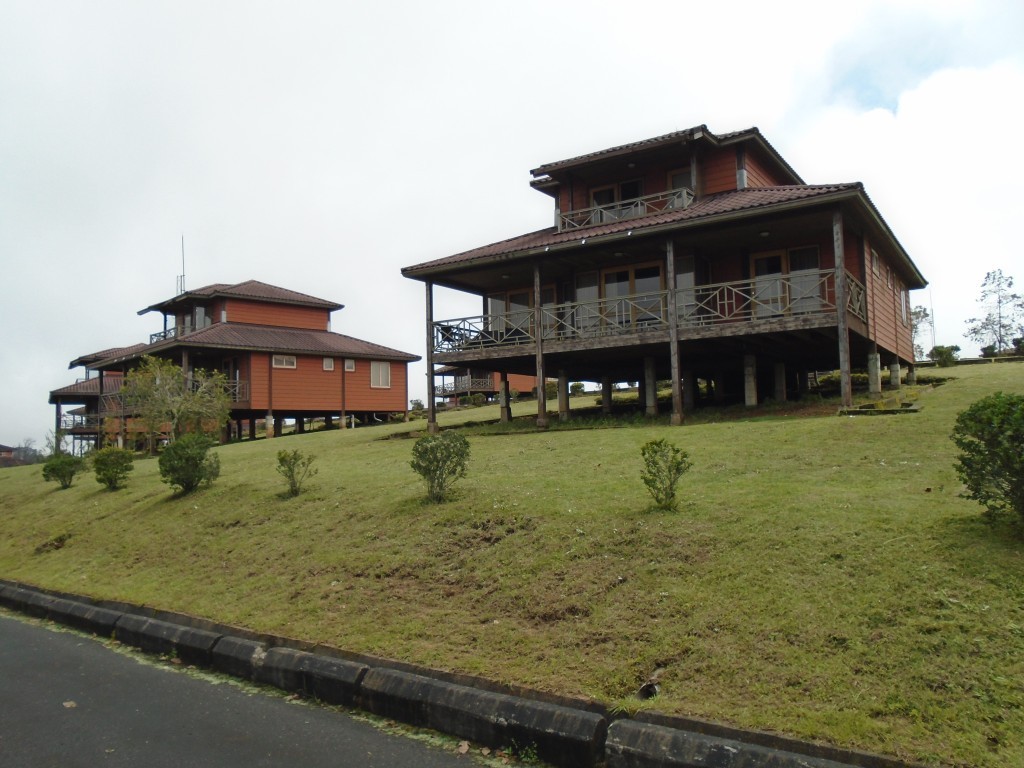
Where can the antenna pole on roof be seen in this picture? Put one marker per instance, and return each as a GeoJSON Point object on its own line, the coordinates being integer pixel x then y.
{"type": "Point", "coordinates": [181, 277]}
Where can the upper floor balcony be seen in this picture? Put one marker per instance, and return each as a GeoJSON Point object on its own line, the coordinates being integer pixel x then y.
{"type": "Point", "coordinates": [633, 208]}
{"type": "Point", "coordinates": [117, 402]}
{"type": "Point", "coordinates": [716, 309]}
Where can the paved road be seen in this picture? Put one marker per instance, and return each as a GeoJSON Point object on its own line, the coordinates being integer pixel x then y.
{"type": "Point", "coordinates": [69, 701]}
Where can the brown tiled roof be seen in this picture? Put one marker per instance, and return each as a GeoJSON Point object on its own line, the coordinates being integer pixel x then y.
{"type": "Point", "coordinates": [703, 209]}
{"type": "Point", "coordinates": [250, 289]}
{"type": "Point", "coordinates": [281, 340]}
{"type": "Point", "coordinates": [89, 386]}
{"type": "Point", "coordinates": [96, 357]}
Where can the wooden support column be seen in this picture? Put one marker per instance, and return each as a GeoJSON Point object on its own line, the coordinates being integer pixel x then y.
{"type": "Point", "coordinates": [842, 326]}
{"type": "Point", "coordinates": [678, 406]}
{"type": "Point", "coordinates": [750, 380]}
{"type": "Point", "coordinates": [542, 399]}
{"type": "Point", "coordinates": [606, 394]}
{"type": "Point", "coordinates": [563, 395]}
{"type": "Point", "coordinates": [431, 407]}
{"type": "Point", "coordinates": [252, 428]}
{"type": "Point", "coordinates": [650, 385]}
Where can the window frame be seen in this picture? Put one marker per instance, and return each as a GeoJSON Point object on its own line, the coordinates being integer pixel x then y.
{"type": "Point", "coordinates": [376, 366]}
{"type": "Point", "coordinates": [350, 365]}
{"type": "Point", "coordinates": [282, 361]}
{"type": "Point", "coordinates": [328, 363]}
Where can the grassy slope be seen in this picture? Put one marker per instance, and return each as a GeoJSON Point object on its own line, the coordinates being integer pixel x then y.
{"type": "Point", "coordinates": [854, 600]}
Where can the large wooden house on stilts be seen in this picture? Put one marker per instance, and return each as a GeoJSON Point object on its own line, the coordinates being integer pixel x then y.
{"type": "Point", "coordinates": [690, 256]}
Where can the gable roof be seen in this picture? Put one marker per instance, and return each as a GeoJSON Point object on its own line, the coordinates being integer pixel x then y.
{"type": "Point", "coordinates": [250, 289]}
{"type": "Point", "coordinates": [261, 338]}
{"type": "Point", "coordinates": [95, 357]}
{"type": "Point", "coordinates": [698, 133]}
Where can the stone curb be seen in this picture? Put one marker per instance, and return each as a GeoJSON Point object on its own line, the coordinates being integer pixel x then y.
{"type": "Point", "coordinates": [563, 734]}
{"type": "Point", "coordinates": [559, 735]}
{"type": "Point", "coordinates": [633, 744]}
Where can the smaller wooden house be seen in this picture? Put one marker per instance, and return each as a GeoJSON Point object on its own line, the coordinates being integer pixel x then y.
{"type": "Point", "coordinates": [277, 350]}
{"type": "Point", "coordinates": [455, 382]}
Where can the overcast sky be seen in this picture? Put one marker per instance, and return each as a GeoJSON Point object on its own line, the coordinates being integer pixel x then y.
{"type": "Point", "coordinates": [322, 146]}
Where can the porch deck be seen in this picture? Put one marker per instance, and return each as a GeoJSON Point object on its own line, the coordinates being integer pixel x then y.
{"type": "Point", "coordinates": [776, 303]}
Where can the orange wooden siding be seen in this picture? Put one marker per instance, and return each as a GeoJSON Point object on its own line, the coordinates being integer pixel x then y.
{"type": "Point", "coordinates": [308, 387]}
{"type": "Point", "coordinates": [885, 315]}
{"type": "Point", "coordinates": [280, 315]}
{"type": "Point", "coordinates": [718, 172]}
{"type": "Point", "coordinates": [758, 174]}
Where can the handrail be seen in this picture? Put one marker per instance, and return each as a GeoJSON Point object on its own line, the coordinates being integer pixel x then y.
{"type": "Point", "coordinates": [625, 209]}
{"type": "Point", "coordinates": [804, 293]}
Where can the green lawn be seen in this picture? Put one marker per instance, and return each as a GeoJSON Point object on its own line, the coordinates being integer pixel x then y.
{"type": "Point", "coordinates": [822, 577]}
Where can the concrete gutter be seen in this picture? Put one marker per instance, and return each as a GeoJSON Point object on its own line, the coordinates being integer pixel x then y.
{"type": "Point", "coordinates": [562, 731]}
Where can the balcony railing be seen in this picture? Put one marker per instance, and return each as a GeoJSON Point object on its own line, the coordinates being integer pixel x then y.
{"type": "Point", "coordinates": [114, 402]}
{"type": "Point", "coordinates": [79, 423]}
{"type": "Point", "coordinates": [633, 208]}
{"type": "Point", "coordinates": [464, 384]}
{"type": "Point", "coordinates": [170, 333]}
{"type": "Point", "coordinates": [802, 294]}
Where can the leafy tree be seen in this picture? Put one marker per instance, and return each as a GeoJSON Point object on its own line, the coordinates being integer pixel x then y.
{"type": "Point", "coordinates": [990, 436]}
{"type": "Point", "coordinates": [577, 388]}
{"type": "Point", "coordinates": [163, 397]}
{"type": "Point", "coordinates": [295, 468]}
{"type": "Point", "coordinates": [920, 320]}
{"type": "Point", "coordinates": [440, 460]}
{"type": "Point", "coordinates": [62, 468]}
{"type": "Point", "coordinates": [112, 465]}
{"type": "Point", "coordinates": [184, 464]}
{"type": "Point", "coordinates": [1005, 311]}
{"type": "Point", "coordinates": [664, 464]}
{"type": "Point", "coordinates": [944, 356]}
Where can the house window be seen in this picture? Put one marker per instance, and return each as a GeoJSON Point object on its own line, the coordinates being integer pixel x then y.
{"type": "Point", "coordinates": [380, 374]}
{"type": "Point", "coordinates": [875, 265]}
{"type": "Point", "coordinates": [614, 201]}
{"type": "Point", "coordinates": [284, 361]}
{"type": "Point", "coordinates": [328, 363]}
{"type": "Point", "coordinates": [904, 300]}
{"type": "Point", "coordinates": [632, 294]}
{"type": "Point", "coordinates": [350, 365]}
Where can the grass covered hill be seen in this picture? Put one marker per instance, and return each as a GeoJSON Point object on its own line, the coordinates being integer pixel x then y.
{"type": "Point", "coordinates": [822, 577]}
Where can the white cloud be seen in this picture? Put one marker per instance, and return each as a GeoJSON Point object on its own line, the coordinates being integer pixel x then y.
{"type": "Point", "coordinates": [323, 146]}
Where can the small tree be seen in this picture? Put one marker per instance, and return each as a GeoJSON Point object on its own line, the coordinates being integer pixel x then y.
{"type": "Point", "coordinates": [990, 436]}
{"type": "Point", "coordinates": [62, 468]}
{"type": "Point", "coordinates": [664, 464]}
{"type": "Point", "coordinates": [184, 464]}
{"type": "Point", "coordinates": [1004, 311]}
{"type": "Point", "coordinates": [920, 320]}
{"type": "Point", "coordinates": [440, 460]}
{"type": "Point", "coordinates": [576, 388]}
{"type": "Point", "coordinates": [295, 468]}
{"type": "Point", "coordinates": [944, 356]}
{"type": "Point", "coordinates": [112, 466]}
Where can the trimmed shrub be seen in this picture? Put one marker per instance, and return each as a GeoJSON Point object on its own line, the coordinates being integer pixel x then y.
{"type": "Point", "coordinates": [184, 464]}
{"type": "Point", "coordinates": [112, 466]}
{"type": "Point", "coordinates": [440, 460]}
{"type": "Point", "coordinates": [295, 468]}
{"type": "Point", "coordinates": [664, 464]}
{"type": "Point", "coordinates": [990, 436]}
{"type": "Point", "coordinates": [62, 468]}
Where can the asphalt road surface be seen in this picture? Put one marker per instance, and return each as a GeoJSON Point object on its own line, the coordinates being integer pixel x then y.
{"type": "Point", "coordinates": [67, 700]}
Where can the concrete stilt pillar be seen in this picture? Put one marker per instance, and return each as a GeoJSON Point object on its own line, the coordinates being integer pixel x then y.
{"type": "Point", "coordinates": [563, 395]}
{"type": "Point", "coordinates": [271, 430]}
{"type": "Point", "coordinates": [650, 387]}
{"type": "Point", "coordinates": [689, 390]}
{"type": "Point", "coordinates": [606, 394]}
{"type": "Point", "coordinates": [504, 399]}
{"type": "Point", "coordinates": [894, 374]}
{"type": "Point", "coordinates": [874, 373]}
{"type": "Point", "coordinates": [750, 380]}
{"type": "Point", "coordinates": [718, 381]}
{"type": "Point", "coordinates": [911, 375]}
{"type": "Point", "coordinates": [780, 382]}
{"type": "Point", "coordinates": [801, 382]}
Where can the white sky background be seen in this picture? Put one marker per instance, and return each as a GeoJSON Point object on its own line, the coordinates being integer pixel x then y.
{"type": "Point", "coordinates": [322, 146]}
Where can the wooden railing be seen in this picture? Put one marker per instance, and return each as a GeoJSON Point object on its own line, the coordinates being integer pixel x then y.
{"type": "Point", "coordinates": [625, 209]}
{"type": "Point", "coordinates": [464, 384]}
{"type": "Point", "coordinates": [113, 403]}
{"type": "Point", "coordinates": [170, 333]}
{"type": "Point", "coordinates": [802, 294]}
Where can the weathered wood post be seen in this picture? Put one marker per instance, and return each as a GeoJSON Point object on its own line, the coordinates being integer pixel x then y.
{"type": "Point", "coordinates": [673, 335]}
{"type": "Point", "coordinates": [542, 399]}
{"type": "Point", "coordinates": [431, 407]}
{"type": "Point", "coordinates": [842, 326]}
